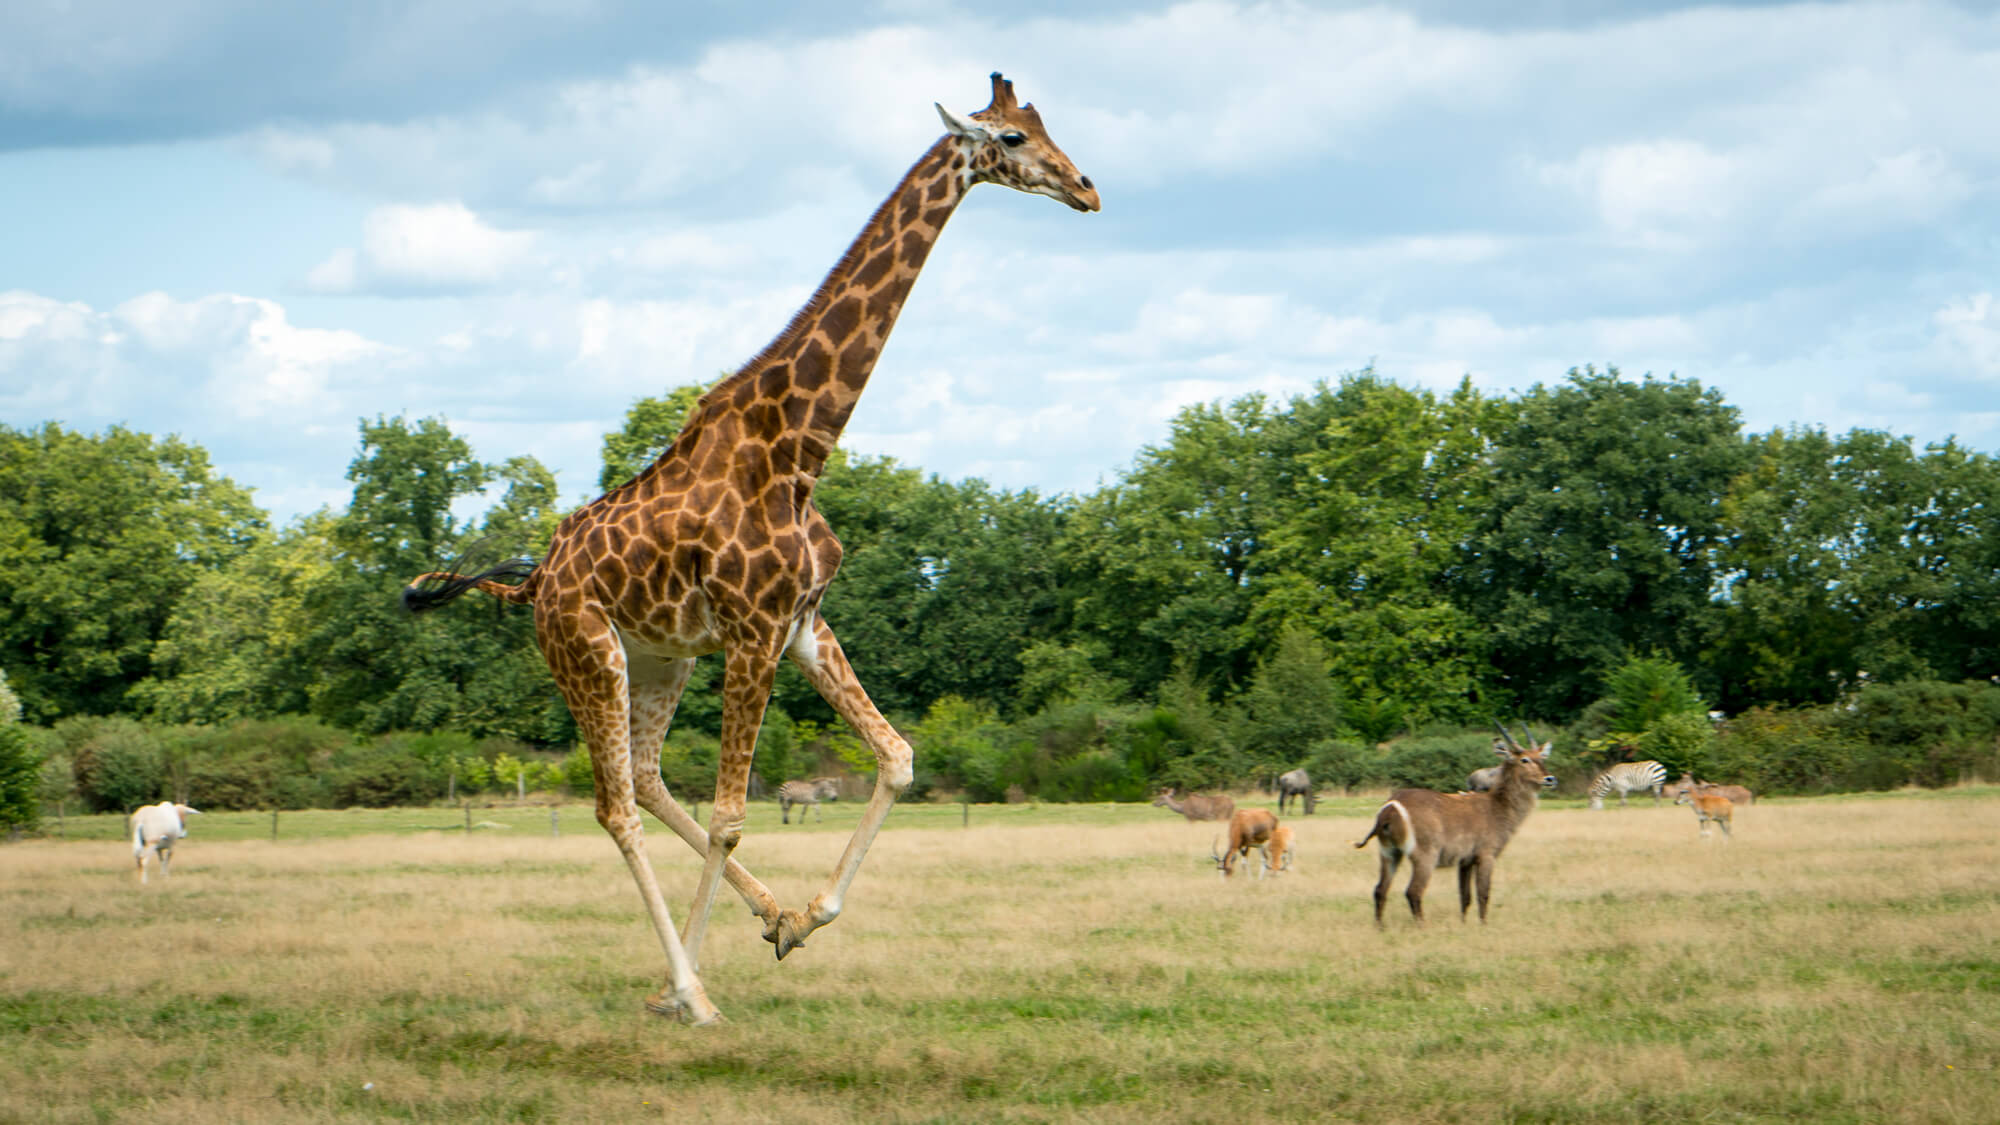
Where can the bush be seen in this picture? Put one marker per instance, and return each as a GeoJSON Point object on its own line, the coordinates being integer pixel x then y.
{"type": "Point", "coordinates": [1924, 732]}
{"type": "Point", "coordinates": [1333, 761]}
{"type": "Point", "coordinates": [1780, 750]}
{"type": "Point", "coordinates": [20, 779]}
{"type": "Point", "coordinates": [1437, 761]}
{"type": "Point", "coordinates": [377, 775]}
{"type": "Point", "coordinates": [117, 762]}
{"type": "Point", "coordinates": [578, 779]}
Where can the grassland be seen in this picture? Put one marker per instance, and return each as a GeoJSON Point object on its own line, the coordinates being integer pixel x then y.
{"type": "Point", "coordinates": [1838, 961]}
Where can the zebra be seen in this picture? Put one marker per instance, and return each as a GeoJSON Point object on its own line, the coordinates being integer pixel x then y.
{"type": "Point", "coordinates": [806, 793]}
{"type": "Point", "coordinates": [1628, 777]}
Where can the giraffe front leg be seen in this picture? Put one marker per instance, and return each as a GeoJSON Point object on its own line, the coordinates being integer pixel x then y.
{"type": "Point", "coordinates": [656, 687]}
{"type": "Point", "coordinates": [746, 690]}
{"type": "Point", "coordinates": [826, 668]}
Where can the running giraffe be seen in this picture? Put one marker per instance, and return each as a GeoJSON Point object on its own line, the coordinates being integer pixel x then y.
{"type": "Point", "coordinates": [717, 547]}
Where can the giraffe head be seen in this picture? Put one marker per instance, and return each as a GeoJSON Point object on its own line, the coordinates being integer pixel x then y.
{"type": "Point", "coordinates": [1008, 145]}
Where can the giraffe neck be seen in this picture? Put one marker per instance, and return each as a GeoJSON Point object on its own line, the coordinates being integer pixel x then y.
{"type": "Point", "coordinates": [799, 391]}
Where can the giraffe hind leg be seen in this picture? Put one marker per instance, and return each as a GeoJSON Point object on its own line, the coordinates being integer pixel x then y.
{"type": "Point", "coordinates": [593, 683]}
{"type": "Point", "coordinates": [826, 668]}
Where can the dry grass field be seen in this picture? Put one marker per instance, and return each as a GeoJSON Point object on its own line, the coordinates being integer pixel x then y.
{"type": "Point", "coordinates": [1837, 961]}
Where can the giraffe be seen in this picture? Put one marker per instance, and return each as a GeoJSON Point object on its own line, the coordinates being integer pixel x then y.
{"type": "Point", "coordinates": [717, 547]}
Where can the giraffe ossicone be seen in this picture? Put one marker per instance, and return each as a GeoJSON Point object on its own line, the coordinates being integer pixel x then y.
{"type": "Point", "coordinates": [717, 547]}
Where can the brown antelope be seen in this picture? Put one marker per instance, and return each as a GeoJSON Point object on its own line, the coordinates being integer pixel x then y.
{"type": "Point", "coordinates": [1673, 792]}
{"type": "Point", "coordinates": [1278, 851]}
{"type": "Point", "coordinates": [1708, 806]}
{"type": "Point", "coordinates": [1248, 828]}
{"type": "Point", "coordinates": [1736, 794]}
{"type": "Point", "coordinates": [1463, 830]}
{"type": "Point", "coordinates": [1197, 807]}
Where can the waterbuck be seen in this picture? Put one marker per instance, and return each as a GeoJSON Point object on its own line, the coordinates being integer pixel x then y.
{"type": "Point", "coordinates": [1708, 805]}
{"type": "Point", "coordinates": [1248, 828]}
{"type": "Point", "coordinates": [1197, 807]}
{"type": "Point", "coordinates": [1463, 830]}
{"type": "Point", "coordinates": [1297, 783]}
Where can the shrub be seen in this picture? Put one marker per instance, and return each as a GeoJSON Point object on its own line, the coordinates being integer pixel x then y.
{"type": "Point", "coordinates": [117, 762]}
{"type": "Point", "coordinates": [20, 779]}
{"type": "Point", "coordinates": [1437, 761]}
{"type": "Point", "coordinates": [1780, 750]}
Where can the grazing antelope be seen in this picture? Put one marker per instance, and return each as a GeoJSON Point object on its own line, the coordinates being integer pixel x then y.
{"type": "Point", "coordinates": [1278, 851]}
{"type": "Point", "coordinates": [154, 830]}
{"type": "Point", "coordinates": [1197, 807]}
{"type": "Point", "coordinates": [1708, 806]}
{"type": "Point", "coordinates": [1297, 783]}
{"type": "Point", "coordinates": [806, 793]}
{"type": "Point", "coordinates": [1248, 828]}
{"type": "Point", "coordinates": [1463, 830]}
{"type": "Point", "coordinates": [1628, 777]}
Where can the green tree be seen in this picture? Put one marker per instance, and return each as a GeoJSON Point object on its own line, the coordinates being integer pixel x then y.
{"type": "Point", "coordinates": [99, 537]}
{"type": "Point", "coordinates": [237, 643]}
{"type": "Point", "coordinates": [1363, 546]}
{"type": "Point", "coordinates": [651, 424]}
{"type": "Point", "coordinates": [20, 780]}
{"type": "Point", "coordinates": [1602, 531]}
{"type": "Point", "coordinates": [1291, 705]}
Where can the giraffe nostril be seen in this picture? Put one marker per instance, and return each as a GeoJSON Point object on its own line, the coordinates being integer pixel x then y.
{"type": "Point", "coordinates": [1087, 185]}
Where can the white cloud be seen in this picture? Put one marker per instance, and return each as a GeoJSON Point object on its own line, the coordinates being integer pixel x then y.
{"type": "Point", "coordinates": [1969, 331]}
{"type": "Point", "coordinates": [424, 247]}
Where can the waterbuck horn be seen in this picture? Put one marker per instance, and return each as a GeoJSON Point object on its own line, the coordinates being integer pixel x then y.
{"type": "Point", "coordinates": [1505, 735]}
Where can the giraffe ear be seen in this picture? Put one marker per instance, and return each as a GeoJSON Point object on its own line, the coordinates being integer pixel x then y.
{"type": "Point", "coordinates": [962, 126]}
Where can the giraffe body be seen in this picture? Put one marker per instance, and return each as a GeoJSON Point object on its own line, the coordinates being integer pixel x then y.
{"type": "Point", "coordinates": [717, 547]}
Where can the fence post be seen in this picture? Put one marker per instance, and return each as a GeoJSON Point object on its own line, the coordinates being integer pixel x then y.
{"type": "Point", "coordinates": [274, 826]}
{"type": "Point", "coordinates": [965, 814]}
{"type": "Point", "coordinates": [554, 828]}
{"type": "Point", "coordinates": [468, 818]}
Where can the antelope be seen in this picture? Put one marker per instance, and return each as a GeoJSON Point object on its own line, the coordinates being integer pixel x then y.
{"type": "Point", "coordinates": [1197, 807]}
{"type": "Point", "coordinates": [806, 794]}
{"type": "Point", "coordinates": [154, 830]}
{"type": "Point", "coordinates": [1463, 830]}
{"type": "Point", "coordinates": [1248, 828]}
{"type": "Point", "coordinates": [1708, 806]}
{"type": "Point", "coordinates": [1297, 783]}
{"type": "Point", "coordinates": [1628, 777]}
{"type": "Point", "coordinates": [1278, 851]}
{"type": "Point", "coordinates": [1736, 794]}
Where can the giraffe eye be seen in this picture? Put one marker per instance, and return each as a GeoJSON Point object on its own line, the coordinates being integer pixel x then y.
{"type": "Point", "coordinates": [1013, 140]}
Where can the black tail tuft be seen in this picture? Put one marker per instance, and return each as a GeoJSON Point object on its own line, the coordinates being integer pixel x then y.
{"type": "Point", "coordinates": [434, 590]}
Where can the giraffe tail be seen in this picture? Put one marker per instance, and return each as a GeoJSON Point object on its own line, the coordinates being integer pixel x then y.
{"type": "Point", "coordinates": [432, 590]}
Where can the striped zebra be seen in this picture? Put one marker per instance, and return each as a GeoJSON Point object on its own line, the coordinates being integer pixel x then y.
{"type": "Point", "coordinates": [808, 793]}
{"type": "Point", "coordinates": [1628, 777]}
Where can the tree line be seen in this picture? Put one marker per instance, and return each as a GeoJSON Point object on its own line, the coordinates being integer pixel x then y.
{"type": "Point", "coordinates": [1354, 575]}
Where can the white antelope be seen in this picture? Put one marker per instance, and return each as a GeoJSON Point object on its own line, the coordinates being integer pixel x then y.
{"type": "Point", "coordinates": [1708, 806]}
{"type": "Point", "coordinates": [1278, 851]}
{"type": "Point", "coordinates": [1248, 828]}
{"type": "Point", "coordinates": [1463, 830]}
{"type": "Point", "coordinates": [154, 830]}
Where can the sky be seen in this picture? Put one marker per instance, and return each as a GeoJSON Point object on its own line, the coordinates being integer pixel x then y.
{"type": "Point", "coordinates": [254, 224]}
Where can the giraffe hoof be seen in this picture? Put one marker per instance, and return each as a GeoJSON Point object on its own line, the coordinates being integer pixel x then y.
{"type": "Point", "coordinates": [790, 932]}
{"type": "Point", "coordinates": [697, 1013]}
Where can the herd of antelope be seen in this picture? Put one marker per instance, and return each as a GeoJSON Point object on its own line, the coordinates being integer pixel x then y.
{"type": "Point", "coordinates": [1466, 830]}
